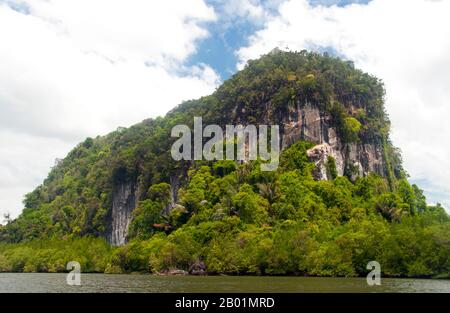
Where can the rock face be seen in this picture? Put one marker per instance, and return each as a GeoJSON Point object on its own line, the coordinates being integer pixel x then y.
{"type": "Point", "coordinates": [319, 154]}
{"type": "Point", "coordinates": [124, 202]}
{"type": "Point", "coordinates": [175, 185]}
{"type": "Point", "coordinates": [125, 199]}
{"type": "Point", "coordinates": [307, 122]}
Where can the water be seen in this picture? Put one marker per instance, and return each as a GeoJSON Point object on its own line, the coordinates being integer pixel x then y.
{"type": "Point", "coordinates": [101, 283]}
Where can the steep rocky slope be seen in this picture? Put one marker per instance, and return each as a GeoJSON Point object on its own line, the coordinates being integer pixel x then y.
{"type": "Point", "coordinates": [313, 97]}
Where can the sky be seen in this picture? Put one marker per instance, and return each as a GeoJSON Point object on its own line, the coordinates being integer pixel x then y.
{"type": "Point", "coordinates": [73, 69]}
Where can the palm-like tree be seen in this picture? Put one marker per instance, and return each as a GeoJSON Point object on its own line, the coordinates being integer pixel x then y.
{"type": "Point", "coordinates": [270, 191]}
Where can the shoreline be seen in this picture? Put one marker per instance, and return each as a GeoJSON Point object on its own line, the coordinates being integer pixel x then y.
{"type": "Point", "coordinates": [230, 275]}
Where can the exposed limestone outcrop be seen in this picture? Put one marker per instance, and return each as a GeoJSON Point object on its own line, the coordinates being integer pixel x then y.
{"type": "Point", "coordinates": [126, 196]}
{"type": "Point", "coordinates": [123, 205]}
{"type": "Point", "coordinates": [319, 154]}
{"type": "Point", "coordinates": [307, 122]}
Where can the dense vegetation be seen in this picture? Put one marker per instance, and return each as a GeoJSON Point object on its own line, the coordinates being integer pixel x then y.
{"type": "Point", "coordinates": [232, 217]}
{"type": "Point", "coordinates": [239, 220]}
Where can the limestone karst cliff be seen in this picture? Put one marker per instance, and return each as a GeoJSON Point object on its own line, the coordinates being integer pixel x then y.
{"type": "Point", "coordinates": [312, 97]}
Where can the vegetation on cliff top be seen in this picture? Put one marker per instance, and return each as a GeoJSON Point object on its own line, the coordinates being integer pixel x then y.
{"type": "Point", "coordinates": [234, 218]}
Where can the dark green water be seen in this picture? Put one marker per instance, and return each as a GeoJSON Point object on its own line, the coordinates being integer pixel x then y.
{"type": "Point", "coordinates": [55, 283]}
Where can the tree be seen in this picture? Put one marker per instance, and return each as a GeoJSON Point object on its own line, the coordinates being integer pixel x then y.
{"type": "Point", "coordinates": [351, 129]}
{"type": "Point", "coordinates": [296, 201]}
{"type": "Point", "coordinates": [6, 218]}
{"type": "Point", "coordinates": [295, 158]}
{"type": "Point", "coordinates": [331, 167]}
{"type": "Point", "coordinates": [269, 191]}
{"type": "Point", "coordinates": [224, 167]}
{"type": "Point", "coordinates": [407, 194]}
{"type": "Point", "coordinates": [145, 217]}
{"type": "Point", "coordinates": [251, 207]}
{"type": "Point", "coordinates": [391, 206]}
{"type": "Point", "coordinates": [197, 189]}
{"type": "Point", "coordinates": [420, 199]}
{"type": "Point", "coordinates": [160, 193]}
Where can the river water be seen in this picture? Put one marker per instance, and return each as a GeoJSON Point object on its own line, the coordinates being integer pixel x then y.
{"type": "Point", "coordinates": [102, 283]}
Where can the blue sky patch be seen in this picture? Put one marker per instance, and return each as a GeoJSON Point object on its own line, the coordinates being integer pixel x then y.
{"type": "Point", "coordinates": [228, 34]}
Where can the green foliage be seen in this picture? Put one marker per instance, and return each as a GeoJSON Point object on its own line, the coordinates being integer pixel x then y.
{"type": "Point", "coordinates": [295, 158]}
{"type": "Point", "coordinates": [52, 255]}
{"type": "Point", "coordinates": [391, 206]}
{"type": "Point", "coordinates": [235, 218]}
{"type": "Point", "coordinates": [145, 216]}
{"type": "Point", "coordinates": [197, 189]}
{"type": "Point", "coordinates": [148, 213]}
{"type": "Point", "coordinates": [331, 167]}
{"type": "Point", "coordinates": [251, 207]}
{"type": "Point", "coordinates": [322, 228]}
{"type": "Point", "coordinates": [296, 201]}
{"type": "Point", "coordinates": [224, 167]}
{"type": "Point", "coordinates": [160, 193]}
{"type": "Point", "coordinates": [348, 127]}
{"type": "Point", "coordinates": [351, 129]}
{"type": "Point", "coordinates": [370, 186]}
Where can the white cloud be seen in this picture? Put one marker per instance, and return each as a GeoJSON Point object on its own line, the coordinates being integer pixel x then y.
{"type": "Point", "coordinates": [249, 9]}
{"type": "Point", "coordinates": [404, 42]}
{"type": "Point", "coordinates": [255, 12]}
{"type": "Point", "coordinates": [24, 162]}
{"type": "Point", "coordinates": [71, 69]}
